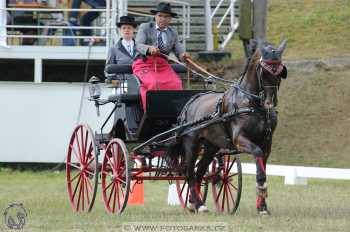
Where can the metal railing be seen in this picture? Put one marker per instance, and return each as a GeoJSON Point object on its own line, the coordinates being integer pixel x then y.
{"type": "Point", "coordinates": [210, 16]}
{"type": "Point", "coordinates": [106, 30]}
{"type": "Point", "coordinates": [52, 23]}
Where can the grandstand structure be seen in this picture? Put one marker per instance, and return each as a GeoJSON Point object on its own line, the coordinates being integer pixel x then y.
{"type": "Point", "coordinates": [51, 34]}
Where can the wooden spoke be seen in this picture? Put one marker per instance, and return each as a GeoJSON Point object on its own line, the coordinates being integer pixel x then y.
{"type": "Point", "coordinates": [108, 186]}
{"type": "Point", "coordinates": [77, 185]}
{"type": "Point", "coordinates": [73, 165]}
{"type": "Point", "coordinates": [111, 193]}
{"type": "Point", "coordinates": [71, 180]}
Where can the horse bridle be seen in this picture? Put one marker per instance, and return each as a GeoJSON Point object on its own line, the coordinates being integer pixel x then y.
{"type": "Point", "coordinates": [273, 67]}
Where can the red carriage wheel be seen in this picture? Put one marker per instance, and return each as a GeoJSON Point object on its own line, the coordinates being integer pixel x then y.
{"type": "Point", "coordinates": [184, 194]}
{"type": "Point", "coordinates": [115, 176]}
{"type": "Point", "coordinates": [82, 174]}
{"type": "Point", "coordinates": [227, 183]}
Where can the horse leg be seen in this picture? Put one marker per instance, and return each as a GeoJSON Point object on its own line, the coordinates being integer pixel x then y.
{"type": "Point", "coordinates": [191, 147]}
{"type": "Point", "coordinates": [246, 146]}
{"type": "Point", "coordinates": [202, 167]}
{"type": "Point", "coordinates": [262, 189]}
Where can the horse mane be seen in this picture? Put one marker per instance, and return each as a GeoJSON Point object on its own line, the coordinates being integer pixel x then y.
{"type": "Point", "coordinates": [254, 60]}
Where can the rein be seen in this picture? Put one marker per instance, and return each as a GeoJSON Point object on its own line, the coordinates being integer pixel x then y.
{"type": "Point", "coordinates": [200, 68]}
{"type": "Point", "coordinates": [263, 65]}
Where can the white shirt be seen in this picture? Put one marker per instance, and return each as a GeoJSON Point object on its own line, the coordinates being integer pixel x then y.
{"type": "Point", "coordinates": [129, 46]}
{"type": "Point", "coordinates": [163, 34]}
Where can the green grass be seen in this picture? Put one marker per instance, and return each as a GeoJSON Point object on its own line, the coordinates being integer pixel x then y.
{"type": "Point", "coordinates": [314, 28]}
{"type": "Point", "coordinates": [320, 206]}
{"type": "Point", "coordinates": [314, 120]}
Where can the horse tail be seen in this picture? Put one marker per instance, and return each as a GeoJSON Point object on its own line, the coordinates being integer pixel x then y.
{"type": "Point", "coordinates": [175, 150]}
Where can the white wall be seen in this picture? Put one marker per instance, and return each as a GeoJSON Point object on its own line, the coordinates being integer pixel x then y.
{"type": "Point", "coordinates": [36, 120]}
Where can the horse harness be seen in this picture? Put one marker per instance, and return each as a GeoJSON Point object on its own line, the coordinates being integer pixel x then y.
{"type": "Point", "coordinates": [274, 67]}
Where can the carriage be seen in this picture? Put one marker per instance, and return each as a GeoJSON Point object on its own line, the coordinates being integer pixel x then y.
{"type": "Point", "coordinates": [135, 149]}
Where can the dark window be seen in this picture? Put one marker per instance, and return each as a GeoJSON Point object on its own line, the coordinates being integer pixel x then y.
{"type": "Point", "coordinates": [16, 70]}
{"type": "Point", "coordinates": [71, 70]}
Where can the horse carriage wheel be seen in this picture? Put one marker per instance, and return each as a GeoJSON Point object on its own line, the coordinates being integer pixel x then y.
{"type": "Point", "coordinates": [227, 183]}
{"type": "Point", "coordinates": [115, 176]}
{"type": "Point", "coordinates": [81, 171]}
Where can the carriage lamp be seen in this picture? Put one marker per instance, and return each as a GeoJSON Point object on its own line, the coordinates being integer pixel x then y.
{"type": "Point", "coordinates": [94, 87]}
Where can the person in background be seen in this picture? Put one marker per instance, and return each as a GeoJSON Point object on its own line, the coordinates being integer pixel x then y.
{"type": "Point", "coordinates": [87, 18]}
{"type": "Point", "coordinates": [152, 40]}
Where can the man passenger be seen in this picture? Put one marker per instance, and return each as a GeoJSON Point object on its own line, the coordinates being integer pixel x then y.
{"type": "Point", "coordinates": [152, 40]}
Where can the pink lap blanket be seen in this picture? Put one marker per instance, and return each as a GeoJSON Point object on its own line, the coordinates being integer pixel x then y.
{"type": "Point", "coordinates": [155, 74]}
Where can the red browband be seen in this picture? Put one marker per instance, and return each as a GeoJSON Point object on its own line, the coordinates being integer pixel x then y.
{"type": "Point", "coordinates": [274, 67]}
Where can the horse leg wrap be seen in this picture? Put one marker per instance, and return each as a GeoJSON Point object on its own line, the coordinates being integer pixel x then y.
{"type": "Point", "coordinates": [261, 195]}
{"type": "Point", "coordinates": [261, 191]}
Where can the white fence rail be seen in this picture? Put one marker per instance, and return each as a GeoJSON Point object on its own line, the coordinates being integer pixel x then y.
{"type": "Point", "coordinates": [294, 175]}
{"type": "Point", "coordinates": [298, 174]}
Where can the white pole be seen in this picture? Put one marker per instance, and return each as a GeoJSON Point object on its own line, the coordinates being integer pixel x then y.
{"type": "Point", "coordinates": [184, 18]}
{"type": "Point", "coordinates": [208, 26]}
{"type": "Point", "coordinates": [108, 25]}
{"type": "Point", "coordinates": [38, 70]}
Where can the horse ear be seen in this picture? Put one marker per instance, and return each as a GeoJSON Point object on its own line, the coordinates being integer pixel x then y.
{"type": "Point", "coordinates": [282, 46]}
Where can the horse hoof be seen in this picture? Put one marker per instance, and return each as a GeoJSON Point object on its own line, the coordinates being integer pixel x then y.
{"type": "Point", "coordinates": [203, 209]}
{"type": "Point", "coordinates": [191, 208]}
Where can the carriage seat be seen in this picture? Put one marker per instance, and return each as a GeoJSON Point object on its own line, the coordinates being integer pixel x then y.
{"type": "Point", "coordinates": [119, 69]}
{"type": "Point", "coordinates": [132, 97]}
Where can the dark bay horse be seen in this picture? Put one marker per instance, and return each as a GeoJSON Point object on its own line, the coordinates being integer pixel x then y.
{"type": "Point", "coordinates": [245, 133]}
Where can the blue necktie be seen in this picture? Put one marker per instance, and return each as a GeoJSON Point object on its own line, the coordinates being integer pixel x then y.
{"type": "Point", "coordinates": [129, 48]}
{"type": "Point", "coordinates": [161, 44]}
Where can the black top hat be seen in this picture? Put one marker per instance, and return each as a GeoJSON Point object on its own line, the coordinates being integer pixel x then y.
{"type": "Point", "coordinates": [127, 20]}
{"type": "Point", "coordinates": [164, 7]}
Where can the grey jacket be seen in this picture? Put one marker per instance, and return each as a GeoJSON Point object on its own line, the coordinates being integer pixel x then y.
{"type": "Point", "coordinates": [119, 55]}
{"type": "Point", "coordinates": [147, 36]}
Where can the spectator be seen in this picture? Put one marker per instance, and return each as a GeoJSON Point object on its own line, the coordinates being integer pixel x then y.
{"type": "Point", "coordinates": [88, 17]}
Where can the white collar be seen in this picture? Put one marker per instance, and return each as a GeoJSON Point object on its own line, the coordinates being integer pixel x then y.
{"type": "Point", "coordinates": [158, 28]}
{"type": "Point", "coordinates": [124, 41]}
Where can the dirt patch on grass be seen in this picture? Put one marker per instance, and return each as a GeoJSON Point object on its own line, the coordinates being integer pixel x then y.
{"type": "Point", "coordinates": [318, 64]}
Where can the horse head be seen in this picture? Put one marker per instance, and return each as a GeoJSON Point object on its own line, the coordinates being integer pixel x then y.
{"type": "Point", "coordinates": [270, 71]}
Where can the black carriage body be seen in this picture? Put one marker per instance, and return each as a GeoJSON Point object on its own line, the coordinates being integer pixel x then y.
{"type": "Point", "coordinates": [163, 107]}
